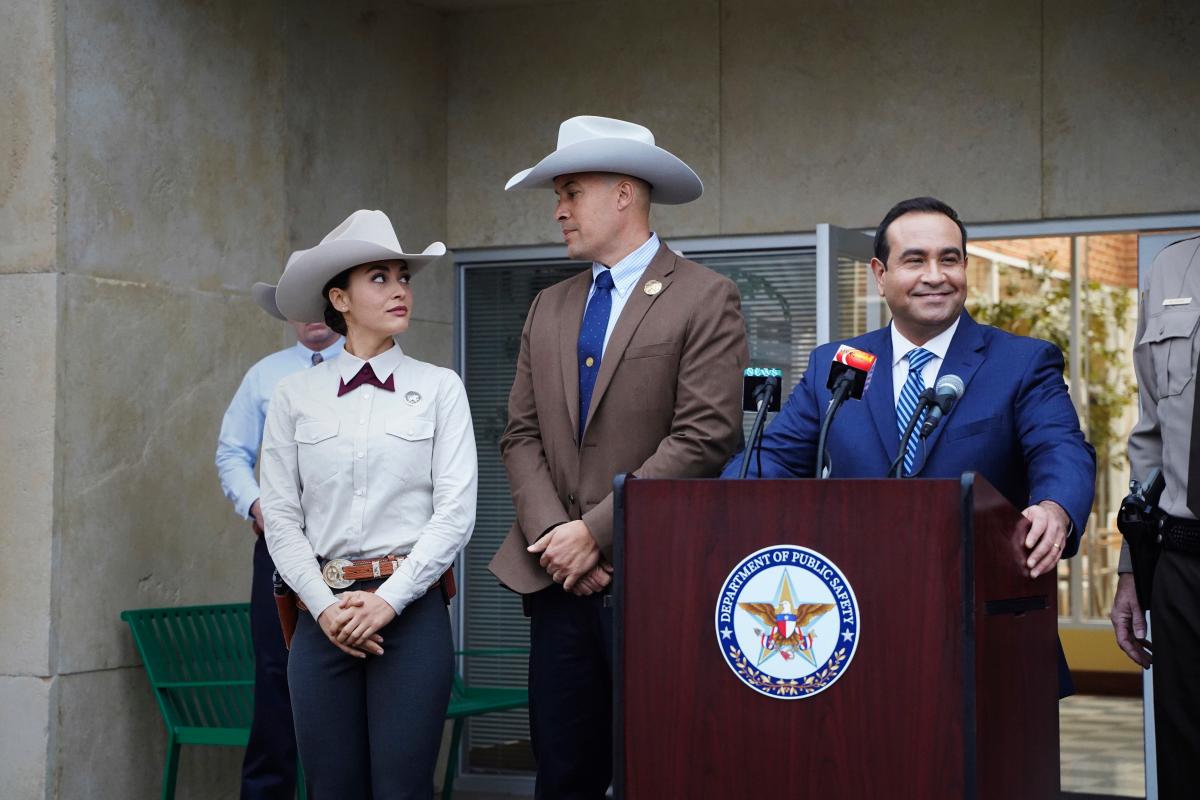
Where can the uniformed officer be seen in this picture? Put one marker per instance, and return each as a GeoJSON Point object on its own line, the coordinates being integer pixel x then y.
{"type": "Point", "coordinates": [369, 475]}
{"type": "Point", "coordinates": [1167, 437]}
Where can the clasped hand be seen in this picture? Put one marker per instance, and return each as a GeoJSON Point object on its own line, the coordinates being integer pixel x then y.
{"type": "Point", "coordinates": [353, 622]}
{"type": "Point", "coordinates": [571, 557]}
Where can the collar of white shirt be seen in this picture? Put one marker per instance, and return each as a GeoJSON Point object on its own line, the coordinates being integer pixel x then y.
{"type": "Point", "coordinates": [938, 345]}
{"type": "Point", "coordinates": [626, 272]}
{"type": "Point", "coordinates": [326, 354]}
{"type": "Point", "coordinates": [382, 365]}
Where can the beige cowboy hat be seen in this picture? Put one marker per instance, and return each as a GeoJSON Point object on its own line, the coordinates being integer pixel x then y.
{"type": "Point", "coordinates": [264, 293]}
{"type": "Point", "coordinates": [602, 144]}
{"type": "Point", "coordinates": [364, 237]}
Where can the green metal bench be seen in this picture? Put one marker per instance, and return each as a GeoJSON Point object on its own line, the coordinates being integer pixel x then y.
{"type": "Point", "coordinates": [470, 701]}
{"type": "Point", "coordinates": [200, 662]}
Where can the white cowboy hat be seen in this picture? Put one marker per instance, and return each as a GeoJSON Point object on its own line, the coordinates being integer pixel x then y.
{"type": "Point", "coordinates": [365, 237]}
{"type": "Point", "coordinates": [264, 293]}
{"type": "Point", "coordinates": [601, 144]}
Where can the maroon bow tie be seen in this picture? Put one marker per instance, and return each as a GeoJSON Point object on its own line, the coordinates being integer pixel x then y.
{"type": "Point", "coordinates": [366, 375]}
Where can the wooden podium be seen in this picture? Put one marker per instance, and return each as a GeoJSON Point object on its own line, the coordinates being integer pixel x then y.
{"type": "Point", "coordinates": [951, 690]}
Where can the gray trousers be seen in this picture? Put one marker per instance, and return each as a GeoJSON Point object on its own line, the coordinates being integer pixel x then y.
{"type": "Point", "coordinates": [371, 728]}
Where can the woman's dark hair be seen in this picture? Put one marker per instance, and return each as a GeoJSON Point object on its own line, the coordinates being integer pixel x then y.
{"type": "Point", "coordinates": [333, 317]}
{"type": "Point", "coordinates": [919, 204]}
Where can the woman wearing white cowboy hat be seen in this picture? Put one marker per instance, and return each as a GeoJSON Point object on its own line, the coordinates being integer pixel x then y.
{"type": "Point", "coordinates": [368, 489]}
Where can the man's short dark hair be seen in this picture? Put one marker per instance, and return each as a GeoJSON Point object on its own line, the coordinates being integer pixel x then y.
{"type": "Point", "coordinates": [916, 204]}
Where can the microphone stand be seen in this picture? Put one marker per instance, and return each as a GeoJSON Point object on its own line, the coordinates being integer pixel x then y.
{"type": "Point", "coordinates": [756, 431]}
{"type": "Point", "coordinates": [896, 470]}
{"type": "Point", "coordinates": [841, 390]}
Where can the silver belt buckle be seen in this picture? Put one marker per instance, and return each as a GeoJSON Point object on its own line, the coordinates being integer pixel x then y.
{"type": "Point", "coordinates": [331, 573]}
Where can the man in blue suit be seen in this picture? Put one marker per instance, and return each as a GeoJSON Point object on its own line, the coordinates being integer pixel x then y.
{"type": "Point", "coordinates": [1014, 424]}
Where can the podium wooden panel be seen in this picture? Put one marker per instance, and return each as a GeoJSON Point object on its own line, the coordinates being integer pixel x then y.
{"type": "Point", "coordinates": [952, 691]}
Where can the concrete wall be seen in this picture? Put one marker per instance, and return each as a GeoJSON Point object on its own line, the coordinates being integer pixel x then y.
{"type": "Point", "coordinates": [366, 112]}
{"type": "Point", "coordinates": [515, 74]}
{"type": "Point", "coordinates": [30, 41]}
{"type": "Point", "coordinates": [30, 44]}
{"type": "Point", "coordinates": [1121, 107]}
{"type": "Point", "coordinates": [796, 113]}
{"type": "Point", "coordinates": [159, 159]}
{"type": "Point", "coordinates": [173, 163]}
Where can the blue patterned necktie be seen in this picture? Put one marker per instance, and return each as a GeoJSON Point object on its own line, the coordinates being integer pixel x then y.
{"type": "Point", "coordinates": [910, 394]}
{"type": "Point", "coordinates": [591, 342]}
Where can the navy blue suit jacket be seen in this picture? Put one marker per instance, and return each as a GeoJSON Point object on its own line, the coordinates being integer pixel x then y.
{"type": "Point", "coordinates": [1014, 424]}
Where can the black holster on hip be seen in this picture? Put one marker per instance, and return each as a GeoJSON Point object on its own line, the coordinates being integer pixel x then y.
{"type": "Point", "coordinates": [1142, 522]}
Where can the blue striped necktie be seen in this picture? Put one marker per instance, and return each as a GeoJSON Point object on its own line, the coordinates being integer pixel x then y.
{"type": "Point", "coordinates": [909, 396]}
{"type": "Point", "coordinates": [591, 342]}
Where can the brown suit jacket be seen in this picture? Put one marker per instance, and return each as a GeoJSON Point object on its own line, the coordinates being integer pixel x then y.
{"type": "Point", "coordinates": [667, 403]}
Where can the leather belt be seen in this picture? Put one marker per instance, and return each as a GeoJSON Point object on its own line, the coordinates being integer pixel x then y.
{"type": "Point", "coordinates": [340, 573]}
{"type": "Point", "coordinates": [1181, 535]}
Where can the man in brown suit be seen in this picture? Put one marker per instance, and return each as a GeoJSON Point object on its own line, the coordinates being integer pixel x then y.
{"type": "Point", "coordinates": [632, 366]}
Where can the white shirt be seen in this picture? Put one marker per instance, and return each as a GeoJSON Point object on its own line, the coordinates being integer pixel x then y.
{"type": "Point", "coordinates": [367, 474]}
{"type": "Point", "coordinates": [938, 345]}
{"type": "Point", "coordinates": [625, 275]}
{"type": "Point", "coordinates": [242, 427]}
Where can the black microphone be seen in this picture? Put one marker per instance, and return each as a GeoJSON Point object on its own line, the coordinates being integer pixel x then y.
{"type": "Point", "coordinates": [946, 392]}
{"type": "Point", "coordinates": [760, 394]}
{"type": "Point", "coordinates": [755, 381]}
{"type": "Point", "coordinates": [849, 376]}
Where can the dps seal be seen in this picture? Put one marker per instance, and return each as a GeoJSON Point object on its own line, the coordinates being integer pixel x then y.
{"type": "Point", "coordinates": [787, 622]}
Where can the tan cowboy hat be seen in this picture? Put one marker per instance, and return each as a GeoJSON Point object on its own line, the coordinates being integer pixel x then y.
{"type": "Point", "coordinates": [365, 237]}
{"type": "Point", "coordinates": [602, 144]}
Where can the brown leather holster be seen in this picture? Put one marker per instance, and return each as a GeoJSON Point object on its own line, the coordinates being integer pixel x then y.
{"type": "Point", "coordinates": [285, 606]}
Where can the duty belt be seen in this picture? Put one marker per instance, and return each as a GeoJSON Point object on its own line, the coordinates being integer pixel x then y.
{"type": "Point", "coordinates": [1181, 535]}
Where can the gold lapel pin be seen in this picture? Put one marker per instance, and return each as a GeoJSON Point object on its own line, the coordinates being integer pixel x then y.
{"type": "Point", "coordinates": [652, 287]}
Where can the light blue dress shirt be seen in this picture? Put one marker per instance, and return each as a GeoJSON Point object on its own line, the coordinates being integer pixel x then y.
{"type": "Point", "coordinates": [625, 275]}
{"type": "Point", "coordinates": [242, 428]}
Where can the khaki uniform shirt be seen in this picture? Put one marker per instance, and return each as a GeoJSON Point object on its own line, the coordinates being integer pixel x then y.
{"type": "Point", "coordinates": [1164, 357]}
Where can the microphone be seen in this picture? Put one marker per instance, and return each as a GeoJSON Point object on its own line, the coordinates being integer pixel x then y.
{"type": "Point", "coordinates": [755, 381]}
{"type": "Point", "coordinates": [859, 365]}
{"type": "Point", "coordinates": [760, 394]}
{"type": "Point", "coordinates": [849, 376]}
{"type": "Point", "coordinates": [946, 392]}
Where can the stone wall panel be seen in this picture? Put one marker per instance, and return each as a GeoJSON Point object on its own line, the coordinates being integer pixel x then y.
{"type": "Point", "coordinates": [516, 74]}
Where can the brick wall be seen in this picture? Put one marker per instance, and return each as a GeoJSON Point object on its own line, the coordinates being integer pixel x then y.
{"type": "Point", "coordinates": [1110, 259]}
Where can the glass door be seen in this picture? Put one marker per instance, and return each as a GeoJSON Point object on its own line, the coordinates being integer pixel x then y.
{"type": "Point", "coordinates": [847, 302]}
